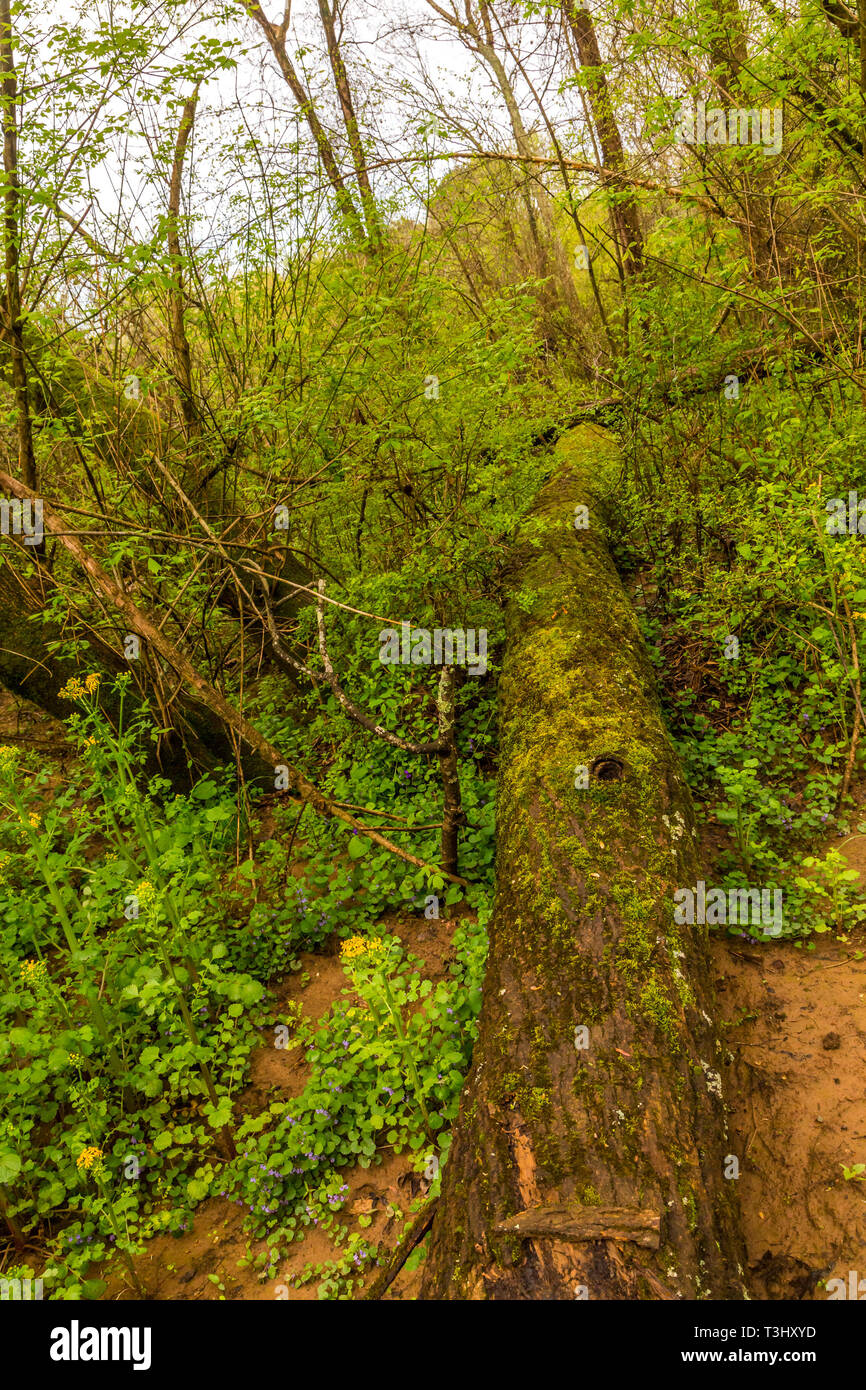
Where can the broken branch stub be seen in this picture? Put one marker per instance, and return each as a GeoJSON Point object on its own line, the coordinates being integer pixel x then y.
{"type": "Point", "coordinates": [573, 1222]}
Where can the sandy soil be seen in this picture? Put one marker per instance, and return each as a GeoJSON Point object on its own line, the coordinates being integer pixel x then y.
{"type": "Point", "coordinates": [796, 1084]}
{"type": "Point", "coordinates": [795, 1026]}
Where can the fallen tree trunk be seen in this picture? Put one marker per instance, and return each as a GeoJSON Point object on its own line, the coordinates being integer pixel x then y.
{"type": "Point", "coordinates": [671, 389]}
{"type": "Point", "coordinates": [213, 700]}
{"type": "Point", "coordinates": [31, 671]}
{"type": "Point", "coordinates": [588, 1158]}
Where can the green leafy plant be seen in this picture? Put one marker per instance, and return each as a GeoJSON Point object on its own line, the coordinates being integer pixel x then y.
{"type": "Point", "coordinates": [830, 893]}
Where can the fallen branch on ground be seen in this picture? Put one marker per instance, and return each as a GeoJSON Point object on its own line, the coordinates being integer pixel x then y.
{"type": "Point", "coordinates": [209, 696]}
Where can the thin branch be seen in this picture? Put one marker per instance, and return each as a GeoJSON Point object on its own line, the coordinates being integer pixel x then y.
{"type": "Point", "coordinates": [437, 746]}
{"type": "Point", "coordinates": [210, 697]}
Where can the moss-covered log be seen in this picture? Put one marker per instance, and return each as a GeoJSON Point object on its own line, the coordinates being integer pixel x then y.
{"type": "Point", "coordinates": [588, 1158]}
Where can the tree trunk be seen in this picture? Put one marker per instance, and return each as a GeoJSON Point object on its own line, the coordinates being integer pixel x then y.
{"type": "Point", "coordinates": [624, 212]}
{"type": "Point", "coordinates": [12, 249]}
{"type": "Point", "coordinates": [727, 46]}
{"type": "Point", "coordinates": [276, 37]}
{"type": "Point", "coordinates": [588, 1157]}
{"type": "Point", "coordinates": [177, 326]}
{"type": "Point", "coordinates": [29, 670]}
{"type": "Point", "coordinates": [329, 14]}
{"type": "Point", "coordinates": [453, 816]}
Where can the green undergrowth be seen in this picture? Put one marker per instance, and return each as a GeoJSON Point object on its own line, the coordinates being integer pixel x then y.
{"type": "Point", "coordinates": [753, 612]}
{"type": "Point", "coordinates": [141, 934]}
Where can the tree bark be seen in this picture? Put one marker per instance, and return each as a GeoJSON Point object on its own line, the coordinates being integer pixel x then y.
{"type": "Point", "coordinates": [728, 45]}
{"type": "Point", "coordinates": [587, 1164]}
{"type": "Point", "coordinates": [453, 816]}
{"type": "Point", "coordinates": [12, 249]}
{"type": "Point", "coordinates": [177, 326]}
{"type": "Point", "coordinates": [623, 206]}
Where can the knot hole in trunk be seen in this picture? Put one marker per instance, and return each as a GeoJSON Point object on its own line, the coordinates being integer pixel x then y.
{"type": "Point", "coordinates": [607, 769]}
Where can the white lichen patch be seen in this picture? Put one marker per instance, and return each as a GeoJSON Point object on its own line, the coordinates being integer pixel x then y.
{"type": "Point", "coordinates": [676, 826]}
{"type": "Point", "coordinates": [714, 1080]}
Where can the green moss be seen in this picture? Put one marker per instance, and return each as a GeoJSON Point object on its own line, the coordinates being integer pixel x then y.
{"type": "Point", "coordinates": [691, 1210]}
{"type": "Point", "coordinates": [537, 1102]}
{"type": "Point", "coordinates": [508, 1085]}
{"type": "Point", "coordinates": [657, 1006]}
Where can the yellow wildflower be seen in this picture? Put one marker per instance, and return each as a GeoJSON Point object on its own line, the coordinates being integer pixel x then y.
{"type": "Point", "coordinates": [146, 894]}
{"type": "Point", "coordinates": [72, 690]}
{"type": "Point", "coordinates": [91, 682]}
{"type": "Point", "coordinates": [34, 820]}
{"type": "Point", "coordinates": [8, 757]}
{"type": "Point", "coordinates": [33, 972]}
{"type": "Point", "coordinates": [357, 946]}
{"type": "Point", "coordinates": [90, 1160]}
{"type": "Point", "coordinates": [75, 1058]}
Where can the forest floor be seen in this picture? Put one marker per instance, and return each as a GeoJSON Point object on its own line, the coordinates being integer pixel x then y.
{"type": "Point", "coordinates": [379, 1197]}
{"type": "Point", "coordinates": [795, 1027]}
{"type": "Point", "coordinates": [796, 1031]}
{"type": "Point", "coordinates": [794, 1023]}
